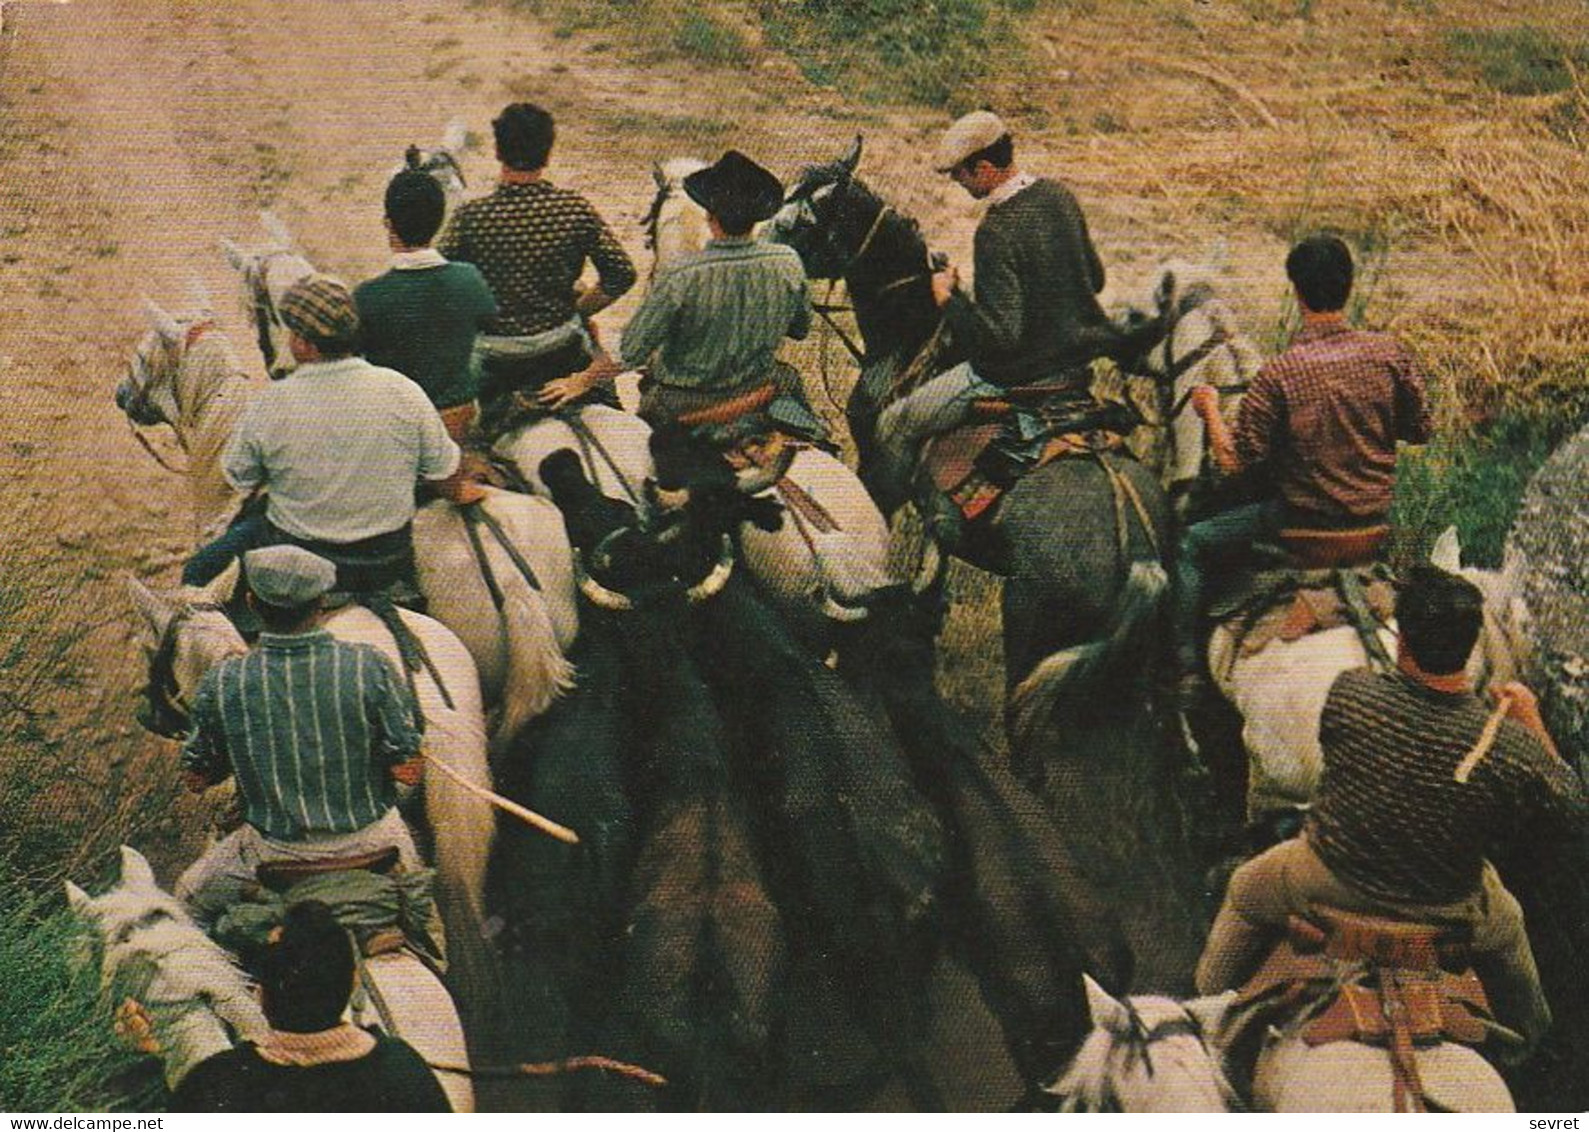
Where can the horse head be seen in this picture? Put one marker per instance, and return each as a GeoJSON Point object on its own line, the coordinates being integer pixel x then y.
{"type": "Point", "coordinates": [674, 224]}
{"type": "Point", "coordinates": [184, 636]}
{"type": "Point", "coordinates": [441, 161]}
{"type": "Point", "coordinates": [827, 215]}
{"type": "Point", "coordinates": [195, 997]}
{"type": "Point", "coordinates": [267, 272]}
{"type": "Point", "coordinates": [1146, 1054]}
{"type": "Point", "coordinates": [1200, 345]}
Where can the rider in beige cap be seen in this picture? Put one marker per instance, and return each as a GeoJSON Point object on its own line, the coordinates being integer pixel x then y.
{"type": "Point", "coordinates": [1035, 316]}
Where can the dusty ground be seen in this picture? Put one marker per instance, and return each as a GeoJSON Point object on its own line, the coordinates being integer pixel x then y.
{"type": "Point", "coordinates": [135, 133]}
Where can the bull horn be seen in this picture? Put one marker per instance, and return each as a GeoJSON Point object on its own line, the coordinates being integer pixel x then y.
{"type": "Point", "coordinates": [600, 596]}
{"type": "Point", "coordinates": [712, 585]}
{"type": "Point", "coordinates": [931, 568]}
{"type": "Point", "coordinates": [835, 610]}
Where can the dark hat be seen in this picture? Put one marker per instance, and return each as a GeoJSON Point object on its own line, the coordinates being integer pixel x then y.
{"type": "Point", "coordinates": [736, 186]}
{"type": "Point", "coordinates": [321, 309]}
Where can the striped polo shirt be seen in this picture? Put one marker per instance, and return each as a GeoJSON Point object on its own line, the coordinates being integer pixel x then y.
{"type": "Point", "coordinates": [310, 726]}
{"type": "Point", "coordinates": [716, 318]}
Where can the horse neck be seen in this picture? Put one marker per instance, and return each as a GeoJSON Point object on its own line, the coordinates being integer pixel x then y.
{"type": "Point", "coordinates": [890, 285]}
{"type": "Point", "coordinates": [209, 382]}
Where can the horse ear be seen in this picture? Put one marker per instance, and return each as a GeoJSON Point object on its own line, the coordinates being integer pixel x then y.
{"type": "Point", "coordinates": [220, 589]}
{"type": "Point", "coordinates": [156, 610]}
{"type": "Point", "coordinates": [1108, 1013]}
{"type": "Point", "coordinates": [1209, 1013]}
{"type": "Point", "coordinates": [235, 255]}
{"type": "Point", "coordinates": [135, 869]}
{"type": "Point", "coordinates": [199, 296]}
{"type": "Point", "coordinates": [76, 899]}
{"type": "Point", "coordinates": [1447, 551]}
{"type": "Point", "coordinates": [455, 136]}
{"type": "Point", "coordinates": [658, 176]}
{"type": "Point", "coordinates": [162, 323]}
{"type": "Point", "coordinates": [277, 230]}
{"type": "Point", "coordinates": [853, 158]}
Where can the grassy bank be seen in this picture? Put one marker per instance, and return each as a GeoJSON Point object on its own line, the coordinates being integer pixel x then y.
{"type": "Point", "coordinates": [58, 1052]}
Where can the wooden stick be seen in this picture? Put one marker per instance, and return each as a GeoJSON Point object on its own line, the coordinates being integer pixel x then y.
{"type": "Point", "coordinates": [1492, 727]}
{"type": "Point", "coordinates": [554, 1068]}
{"type": "Point", "coordinates": [1223, 81]}
{"type": "Point", "coordinates": [523, 813]}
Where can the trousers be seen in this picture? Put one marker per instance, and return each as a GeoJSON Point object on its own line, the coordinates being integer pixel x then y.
{"type": "Point", "coordinates": [220, 876]}
{"type": "Point", "coordinates": [1286, 879]}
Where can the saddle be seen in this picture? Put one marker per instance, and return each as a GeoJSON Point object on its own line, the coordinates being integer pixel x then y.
{"type": "Point", "coordinates": [1346, 976]}
{"type": "Point", "coordinates": [1010, 436]}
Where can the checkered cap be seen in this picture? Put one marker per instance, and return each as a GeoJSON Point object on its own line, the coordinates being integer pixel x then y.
{"type": "Point", "coordinates": [320, 309]}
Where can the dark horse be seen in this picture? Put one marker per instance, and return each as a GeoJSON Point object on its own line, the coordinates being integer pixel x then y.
{"type": "Point", "coordinates": [1083, 583]}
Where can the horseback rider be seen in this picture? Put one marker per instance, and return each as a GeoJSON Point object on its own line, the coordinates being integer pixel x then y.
{"type": "Point", "coordinates": [317, 733]}
{"type": "Point", "coordinates": [531, 240]}
{"type": "Point", "coordinates": [421, 317]}
{"type": "Point", "coordinates": [713, 321]}
{"type": "Point", "coordinates": [311, 1060]}
{"type": "Point", "coordinates": [1321, 420]}
{"type": "Point", "coordinates": [1421, 781]}
{"type": "Point", "coordinates": [340, 444]}
{"type": "Point", "coordinates": [1035, 317]}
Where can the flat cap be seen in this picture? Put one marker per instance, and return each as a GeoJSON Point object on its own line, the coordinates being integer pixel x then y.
{"type": "Point", "coordinates": [321, 309]}
{"type": "Point", "coordinates": [970, 134]}
{"type": "Point", "coordinates": [288, 576]}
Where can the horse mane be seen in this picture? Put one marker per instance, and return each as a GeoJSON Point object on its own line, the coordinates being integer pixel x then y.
{"type": "Point", "coordinates": [1084, 1085]}
{"type": "Point", "coordinates": [1178, 1067]}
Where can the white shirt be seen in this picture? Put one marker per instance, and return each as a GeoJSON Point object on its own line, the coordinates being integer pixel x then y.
{"type": "Point", "coordinates": [1007, 190]}
{"type": "Point", "coordinates": [417, 260]}
{"type": "Point", "coordinates": [340, 445]}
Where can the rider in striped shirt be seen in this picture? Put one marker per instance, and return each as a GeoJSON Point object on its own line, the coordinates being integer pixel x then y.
{"type": "Point", "coordinates": [317, 733]}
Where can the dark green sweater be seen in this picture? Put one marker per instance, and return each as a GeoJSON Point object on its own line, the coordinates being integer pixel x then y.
{"type": "Point", "coordinates": [422, 322]}
{"type": "Point", "coordinates": [390, 1078]}
{"type": "Point", "coordinates": [1035, 317]}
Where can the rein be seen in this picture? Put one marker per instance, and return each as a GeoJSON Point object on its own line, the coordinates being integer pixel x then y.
{"type": "Point", "coordinates": [588, 441]}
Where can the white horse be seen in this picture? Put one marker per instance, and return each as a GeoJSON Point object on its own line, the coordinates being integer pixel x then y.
{"type": "Point", "coordinates": [187, 635]}
{"type": "Point", "coordinates": [833, 548]}
{"type": "Point", "coordinates": [1150, 1054]}
{"type": "Point", "coordinates": [199, 1001]}
{"type": "Point", "coordinates": [184, 373]}
{"type": "Point", "coordinates": [440, 161]}
{"type": "Point", "coordinates": [1280, 690]}
{"type": "Point", "coordinates": [1145, 1054]}
{"type": "Point", "coordinates": [1203, 345]}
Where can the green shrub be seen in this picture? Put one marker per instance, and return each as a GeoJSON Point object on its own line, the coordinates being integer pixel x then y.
{"type": "Point", "coordinates": [702, 36]}
{"type": "Point", "coordinates": [1518, 60]}
{"type": "Point", "coordinates": [1474, 481]}
{"type": "Point", "coordinates": [58, 1052]}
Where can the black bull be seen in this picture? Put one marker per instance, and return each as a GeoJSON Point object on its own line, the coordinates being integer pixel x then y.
{"type": "Point", "coordinates": [749, 822]}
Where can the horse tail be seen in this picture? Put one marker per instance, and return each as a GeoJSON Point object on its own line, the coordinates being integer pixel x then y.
{"type": "Point", "coordinates": [537, 671]}
{"type": "Point", "coordinates": [1080, 673]}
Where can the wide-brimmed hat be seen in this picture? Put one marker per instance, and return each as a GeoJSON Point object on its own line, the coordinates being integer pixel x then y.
{"type": "Point", "coordinates": [320, 309]}
{"type": "Point", "coordinates": [737, 187]}
{"type": "Point", "coordinates": [287, 576]}
{"type": "Point", "coordinates": [970, 134]}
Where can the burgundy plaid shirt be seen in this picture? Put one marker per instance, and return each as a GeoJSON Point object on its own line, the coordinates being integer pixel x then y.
{"type": "Point", "coordinates": [1325, 417]}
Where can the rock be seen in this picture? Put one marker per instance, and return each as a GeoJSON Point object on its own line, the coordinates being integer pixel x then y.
{"type": "Point", "coordinates": [1549, 549]}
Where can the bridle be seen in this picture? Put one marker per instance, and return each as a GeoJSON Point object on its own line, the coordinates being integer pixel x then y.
{"type": "Point", "coordinates": [167, 712]}
{"type": "Point", "coordinates": [1137, 1040]}
{"type": "Point", "coordinates": [140, 410]}
{"type": "Point", "coordinates": [433, 160]}
{"type": "Point", "coordinates": [267, 319]}
{"type": "Point", "coordinates": [826, 310]}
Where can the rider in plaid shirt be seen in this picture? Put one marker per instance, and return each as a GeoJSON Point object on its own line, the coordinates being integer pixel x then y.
{"type": "Point", "coordinates": [1322, 421]}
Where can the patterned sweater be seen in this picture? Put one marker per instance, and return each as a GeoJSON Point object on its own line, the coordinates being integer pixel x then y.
{"type": "Point", "coordinates": [531, 242]}
{"type": "Point", "coordinates": [1392, 820]}
{"type": "Point", "coordinates": [1035, 316]}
